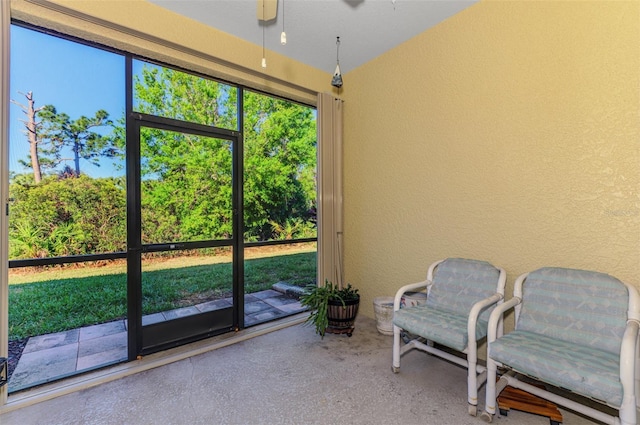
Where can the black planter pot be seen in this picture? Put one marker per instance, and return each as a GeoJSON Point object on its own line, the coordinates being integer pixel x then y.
{"type": "Point", "coordinates": [342, 317]}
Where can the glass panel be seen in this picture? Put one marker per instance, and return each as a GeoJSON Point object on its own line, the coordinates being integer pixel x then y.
{"type": "Point", "coordinates": [279, 169]}
{"type": "Point", "coordinates": [186, 188]}
{"type": "Point", "coordinates": [184, 283]}
{"type": "Point", "coordinates": [67, 148]}
{"type": "Point", "coordinates": [274, 278]}
{"type": "Point", "coordinates": [169, 93]}
{"type": "Point", "coordinates": [67, 319]}
{"type": "Point", "coordinates": [67, 182]}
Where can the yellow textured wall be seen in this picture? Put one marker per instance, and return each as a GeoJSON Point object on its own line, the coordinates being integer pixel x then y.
{"type": "Point", "coordinates": [509, 133]}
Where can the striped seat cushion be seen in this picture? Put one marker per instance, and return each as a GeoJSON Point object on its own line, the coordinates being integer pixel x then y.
{"type": "Point", "coordinates": [436, 325]}
{"type": "Point", "coordinates": [585, 370]}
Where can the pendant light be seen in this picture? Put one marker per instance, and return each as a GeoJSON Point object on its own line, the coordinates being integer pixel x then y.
{"type": "Point", "coordinates": [264, 58]}
{"type": "Point", "coordinates": [283, 36]}
{"type": "Point", "coordinates": [336, 81]}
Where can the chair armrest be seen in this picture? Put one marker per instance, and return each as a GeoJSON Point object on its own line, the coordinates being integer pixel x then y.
{"type": "Point", "coordinates": [476, 310]}
{"type": "Point", "coordinates": [411, 287]}
{"type": "Point", "coordinates": [496, 316]}
{"type": "Point", "coordinates": [628, 356]}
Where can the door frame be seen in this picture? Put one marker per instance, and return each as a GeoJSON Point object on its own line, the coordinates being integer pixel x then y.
{"type": "Point", "coordinates": [151, 338]}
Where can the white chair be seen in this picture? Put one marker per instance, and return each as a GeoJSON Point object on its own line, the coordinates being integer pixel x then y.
{"type": "Point", "coordinates": [460, 296]}
{"type": "Point", "coordinates": [576, 330]}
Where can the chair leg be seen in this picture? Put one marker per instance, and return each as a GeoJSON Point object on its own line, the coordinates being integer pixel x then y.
{"type": "Point", "coordinates": [472, 376]}
{"type": "Point", "coordinates": [490, 388]}
{"type": "Point", "coordinates": [628, 411]}
{"type": "Point", "coordinates": [395, 366]}
{"type": "Point", "coordinates": [472, 383]}
{"type": "Point", "coordinates": [473, 409]}
{"type": "Point", "coordinates": [637, 368]}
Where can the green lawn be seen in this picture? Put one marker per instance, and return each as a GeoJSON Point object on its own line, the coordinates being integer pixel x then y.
{"type": "Point", "coordinates": [72, 298]}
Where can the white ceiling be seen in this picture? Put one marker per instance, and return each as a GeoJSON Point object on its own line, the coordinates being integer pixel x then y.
{"type": "Point", "coordinates": [367, 28]}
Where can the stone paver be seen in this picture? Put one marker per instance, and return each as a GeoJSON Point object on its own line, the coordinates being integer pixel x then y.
{"type": "Point", "coordinates": [267, 294]}
{"type": "Point", "coordinates": [255, 307]}
{"type": "Point", "coordinates": [288, 289]}
{"type": "Point", "coordinates": [53, 356]}
{"type": "Point", "coordinates": [58, 339]}
{"type": "Point", "coordinates": [38, 367]}
{"type": "Point", "coordinates": [103, 329]}
{"type": "Point", "coordinates": [180, 312]}
{"type": "Point", "coordinates": [105, 357]}
{"type": "Point", "coordinates": [292, 308]}
{"type": "Point", "coordinates": [214, 305]}
{"type": "Point", "coordinates": [150, 319]}
{"type": "Point", "coordinates": [103, 343]}
{"type": "Point", "coordinates": [263, 316]}
{"type": "Point", "coordinates": [280, 301]}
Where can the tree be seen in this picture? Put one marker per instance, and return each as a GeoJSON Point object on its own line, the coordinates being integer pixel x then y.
{"type": "Point", "coordinates": [53, 132]}
{"type": "Point", "coordinates": [31, 131]}
{"type": "Point", "coordinates": [174, 94]}
{"type": "Point", "coordinates": [280, 168]}
{"type": "Point", "coordinates": [187, 179]}
{"type": "Point", "coordinates": [78, 135]}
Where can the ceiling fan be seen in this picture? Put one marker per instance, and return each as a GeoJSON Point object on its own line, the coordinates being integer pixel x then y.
{"type": "Point", "coordinates": [267, 10]}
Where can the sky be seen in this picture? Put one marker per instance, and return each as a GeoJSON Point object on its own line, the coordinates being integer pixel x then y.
{"type": "Point", "coordinates": [76, 79]}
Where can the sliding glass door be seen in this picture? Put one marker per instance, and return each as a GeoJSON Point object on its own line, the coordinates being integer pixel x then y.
{"type": "Point", "coordinates": [149, 207]}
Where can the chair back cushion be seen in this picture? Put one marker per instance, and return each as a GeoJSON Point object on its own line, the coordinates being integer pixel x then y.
{"type": "Point", "coordinates": [459, 283]}
{"type": "Point", "coordinates": [578, 306]}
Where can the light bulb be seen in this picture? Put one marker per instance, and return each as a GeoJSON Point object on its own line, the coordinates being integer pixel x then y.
{"type": "Point", "coordinates": [264, 62]}
{"type": "Point", "coordinates": [283, 38]}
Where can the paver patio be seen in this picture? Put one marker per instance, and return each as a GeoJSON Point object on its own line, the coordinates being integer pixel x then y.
{"type": "Point", "coordinates": [54, 356]}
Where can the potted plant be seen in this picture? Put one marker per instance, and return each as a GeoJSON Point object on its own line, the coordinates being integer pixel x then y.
{"type": "Point", "coordinates": [333, 309]}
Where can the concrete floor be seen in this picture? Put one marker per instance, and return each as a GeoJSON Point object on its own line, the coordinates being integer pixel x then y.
{"type": "Point", "coordinates": [289, 376]}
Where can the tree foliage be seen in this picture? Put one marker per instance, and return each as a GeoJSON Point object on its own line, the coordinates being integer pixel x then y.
{"type": "Point", "coordinates": [78, 136]}
{"type": "Point", "coordinates": [186, 97]}
{"type": "Point", "coordinates": [69, 216]}
{"type": "Point", "coordinates": [191, 176]}
{"type": "Point", "coordinates": [279, 168]}
{"type": "Point", "coordinates": [52, 134]}
{"type": "Point", "coordinates": [186, 179]}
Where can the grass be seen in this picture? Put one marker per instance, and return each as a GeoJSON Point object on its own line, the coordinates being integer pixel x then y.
{"type": "Point", "coordinates": [62, 299]}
